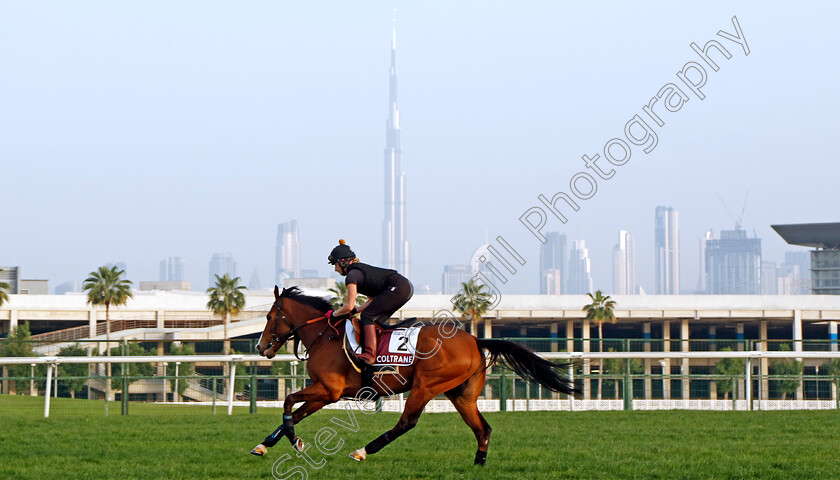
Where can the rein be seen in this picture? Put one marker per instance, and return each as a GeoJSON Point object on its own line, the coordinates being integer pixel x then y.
{"type": "Point", "coordinates": [293, 332]}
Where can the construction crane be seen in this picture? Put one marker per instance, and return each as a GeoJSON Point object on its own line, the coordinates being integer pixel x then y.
{"type": "Point", "coordinates": [740, 217]}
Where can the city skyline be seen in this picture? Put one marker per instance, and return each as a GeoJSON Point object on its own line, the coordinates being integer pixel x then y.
{"type": "Point", "coordinates": [205, 128]}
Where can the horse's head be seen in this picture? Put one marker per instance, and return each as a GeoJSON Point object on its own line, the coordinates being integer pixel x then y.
{"type": "Point", "coordinates": [277, 328]}
{"type": "Point", "coordinates": [291, 311]}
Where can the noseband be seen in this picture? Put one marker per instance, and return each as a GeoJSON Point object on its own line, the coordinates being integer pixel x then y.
{"type": "Point", "coordinates": [275, 340]}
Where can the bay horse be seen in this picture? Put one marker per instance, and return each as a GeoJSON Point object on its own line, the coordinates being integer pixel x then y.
{"type": "Point", "coordinates": [449, 361]}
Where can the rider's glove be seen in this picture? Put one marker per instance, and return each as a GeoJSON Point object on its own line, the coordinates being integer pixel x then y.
{"type": "Point", "coordinates": [328, 315]}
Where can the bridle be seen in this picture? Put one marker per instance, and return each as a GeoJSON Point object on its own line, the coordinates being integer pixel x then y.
{"type": "Point", "coordinates": [275, 340]}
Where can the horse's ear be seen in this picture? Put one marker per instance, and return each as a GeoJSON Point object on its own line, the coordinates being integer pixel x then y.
{"type": "Point", "coordinates": [276, 293]}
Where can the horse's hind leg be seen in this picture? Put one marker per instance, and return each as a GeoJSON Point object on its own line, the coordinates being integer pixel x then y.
{"type": "Point", "coordinates": [417, 399]}
{"type": "Point", "coordinates": [464, 398]}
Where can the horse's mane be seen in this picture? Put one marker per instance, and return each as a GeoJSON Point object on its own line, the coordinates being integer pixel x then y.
{"type": "Point", "coordinates": [318, 303]}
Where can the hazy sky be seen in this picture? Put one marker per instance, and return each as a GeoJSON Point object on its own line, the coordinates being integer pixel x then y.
{"type": "Point", "coordinates": [134, 131]}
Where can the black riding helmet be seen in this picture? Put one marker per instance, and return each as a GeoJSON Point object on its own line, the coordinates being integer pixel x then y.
{"type": "Point", "coordinates": [340, 252]}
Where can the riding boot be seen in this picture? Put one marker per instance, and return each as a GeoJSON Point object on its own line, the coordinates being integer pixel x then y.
{"type": "Point", "coordinates": [368, 354]}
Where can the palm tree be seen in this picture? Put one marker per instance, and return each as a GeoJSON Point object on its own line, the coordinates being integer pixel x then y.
{"type": "Point", "coordinates": [4, 287]}
{"type": "Point", "coordinates": [105, 286]}
{"type": "Point", "coordinates": [600, 310]}
{"type": "Point", "coordinates": [339, 297]}
{"type": "Point", "coordinates": [226, 299]}
{"type": "Point", "coordinates": [473, 301]}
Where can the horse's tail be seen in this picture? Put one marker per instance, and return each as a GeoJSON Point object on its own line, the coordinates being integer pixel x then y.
{"type": "Point", "coordinates": [529, 365]}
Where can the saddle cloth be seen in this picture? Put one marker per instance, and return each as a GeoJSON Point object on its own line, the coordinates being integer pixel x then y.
{"type": "Point", "coordinates": [394, 347]}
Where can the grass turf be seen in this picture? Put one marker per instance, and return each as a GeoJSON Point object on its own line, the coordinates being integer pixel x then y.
{"type": "Point", "coordinates": [156, 441]}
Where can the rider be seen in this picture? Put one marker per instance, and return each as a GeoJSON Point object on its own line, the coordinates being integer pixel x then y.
{"type": "Point", "coordinates": [386, 290]}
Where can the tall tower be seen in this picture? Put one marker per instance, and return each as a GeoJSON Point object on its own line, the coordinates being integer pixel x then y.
{"type": "Point", "coordinates": [624, 265]}
{"type": "Point", "coordinates": [221, 264]}
{"type": "Point", "coordinates": [553, 264]}
{"type": "Point", "coordinates": [395, 253]}
{"type": "Point", "coordinates": [287, 252]}
{"type": "Point", "coordinates": [733, 264]}
{"type": "Point", "coordinates": [667, 237]}
{"type": "Point", "coordinates": [580, 270]}
{"type": "Point", "coordinates": [172, 269]}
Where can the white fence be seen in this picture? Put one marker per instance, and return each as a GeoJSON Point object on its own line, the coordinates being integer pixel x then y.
{"type": "Point", "coordinates": [489, 405]}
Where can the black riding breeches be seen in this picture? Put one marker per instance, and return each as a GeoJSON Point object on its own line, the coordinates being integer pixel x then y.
{"type": "Point", "coordinates": [397, 292]}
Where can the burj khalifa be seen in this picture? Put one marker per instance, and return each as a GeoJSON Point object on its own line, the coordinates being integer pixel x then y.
{"type": "Point", "coordinates": [395, 252]}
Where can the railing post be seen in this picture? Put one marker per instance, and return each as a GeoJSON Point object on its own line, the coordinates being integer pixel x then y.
{"type": "Point", "coordinates": [571, 396]}
{"type": "Point", "coordinates": [124, 395]}
{"type": "Point", "coordinates": [253, 396]}
{"type": "Point", "coordinates": [49, 386]}
{"type": "Point", "coordinates": [748, 383]}
{"type": "Point", "coordinates": [502, 394]}
{"type": "Point", "coordinates": [215, 392]}
{"type": "Point", "coordinates": [230, 386]}
{"type": "Point", "coordinates": [628, 388]}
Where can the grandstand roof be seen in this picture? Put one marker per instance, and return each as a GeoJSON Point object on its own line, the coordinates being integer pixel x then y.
{"type": "Point", "coordinates": [816, 235]}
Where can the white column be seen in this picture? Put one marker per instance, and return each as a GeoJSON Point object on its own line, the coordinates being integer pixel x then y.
{"type": "Point", "coordinates": [488, 327]}
{"type": "Point", "coordinates": [684, 367]}
{"type": "Point", "coordinates": [92, 323]}
{"type": "Point", "coordinates": [832, 335]}
{"type": "Point", "coordinates": [763, 364]}
{"type": "Point", "coordinates": [797, 346]}
{"type": "Point", "coordinates": [553, 334]}
{"type": "Point", "coordinates": [570, 334]}
{"type": "Point", "coordinates": [712, 338]}
{"type": "Point", "coordinates": [666, 365]}
{"type": "Point", "coordinates": [585, 337]}
{"type": "Point", "coordinates": [647, 382]}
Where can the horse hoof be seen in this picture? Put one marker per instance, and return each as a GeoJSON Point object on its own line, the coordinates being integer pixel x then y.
{"type": "Point", "coordinates": [359, 455]}
{"type": "Point", "coordinates": [259, 450]}
{"type": "Point", "coordinates": [298, 444]}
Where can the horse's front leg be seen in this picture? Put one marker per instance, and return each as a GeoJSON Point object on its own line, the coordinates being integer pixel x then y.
{"type": "Point", "coordinates": [314, 397]}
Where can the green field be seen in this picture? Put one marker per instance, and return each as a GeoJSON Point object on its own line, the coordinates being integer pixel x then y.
{"type": "Point", "coordinates": [79, 442]}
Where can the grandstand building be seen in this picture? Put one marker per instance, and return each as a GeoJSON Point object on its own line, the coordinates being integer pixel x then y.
{"type": "Point", "coordinates": [652, 323]}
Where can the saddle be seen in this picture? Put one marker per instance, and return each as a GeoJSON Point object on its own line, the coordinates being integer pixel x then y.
{"type": "Point", "coordinates": [400, 353]}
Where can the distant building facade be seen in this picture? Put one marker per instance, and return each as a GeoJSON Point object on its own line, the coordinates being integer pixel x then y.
{"type": "Point", "coordinates": [667, 251]}
{"type": "Point", "coordinates": [453, 276]}
{"type": "Point", "coordinates": [733, 264]}
{"type": "Point", "coordinates": [553, 264]}
{"type": "Point", "coordinates": [221, 264]}
{"type": "Point", "coordinates": [624, 265]}
{"type": "Point", "coordinates": [165, 286]}
{"type": "Point", "coordinates": [18, 285]}
{"type": "Point", "coordinates": [67, 287]}
{"type": "Point", "coordinates": [173, 269]}
{"type": "Point", "coordinates": [287, 252]}
{"type": "Point", "coordinates": [580, 269]}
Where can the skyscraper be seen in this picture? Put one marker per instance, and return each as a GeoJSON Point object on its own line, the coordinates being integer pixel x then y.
{"type": "Point", "coordinates": [553, 261]}
{"type": "Point", "coordinates": [580, 270]}
{"type": "Point", "coordinates": [172, 269]}
{"type": "Point", "coordinates": [453, 276]}
{"type": "Point", "coordinates": [624, 265]}
{"type": "Point", "coordinates": [701, 277]}
{"type": "Point", "coordinates": [287, 252]}
{"type": "Point", "coordinates": [733, 264]}
{"type": "Point", "coordinates": [395, 247]}
{"type": "Point", "coordinates": [667, 254]}
{"type": "Point", "coordinates": [221, 264]}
